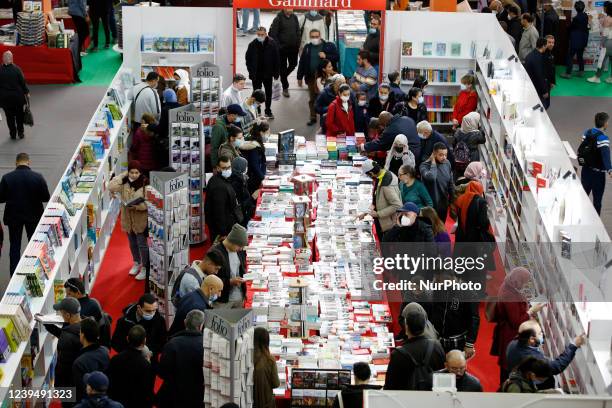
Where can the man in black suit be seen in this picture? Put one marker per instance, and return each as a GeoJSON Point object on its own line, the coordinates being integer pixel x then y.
{"type": "Point", "coordinates": [14, 94]}
{"type": "Point", "coordinates": [535, 65]}
{"type": "Point", "coordinates": [24, 191]}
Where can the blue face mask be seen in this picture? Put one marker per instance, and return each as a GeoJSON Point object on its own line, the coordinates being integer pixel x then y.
{"type": "Point", "coordinates": [212, 298]}
{"type": "Point", "coordinates": [146, 316]}
{"type": "Point", "coordinates": [372, 31]}
{"type": "Point", "coordinates": [313, 13]}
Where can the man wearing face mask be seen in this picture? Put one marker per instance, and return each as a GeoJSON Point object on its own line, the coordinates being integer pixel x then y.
{"type": "Point", "coordinates": [251, 107]}
{"type": "Point", "coordinates": [529, 344]}
{"type": "Point", "coordinates": [219, 132]}
{"type": "Point", "coordinates": [313, 20]}
{"type": "Point", "coordinates": [144, 313]}
{"type": "Point", "coordinates": [233, 93]}
{"type": "Point", "coordinates": [372, 41]}
{"type": "Point", "coordinates": [285, 29]}
{"type": "Point", "coordinates": [220, 206]}
{"type": "Point", "coordinates": [430, 137]}
{"type": "Point", "coordinates": [384, 101]}
{"type": "Point", "coordinates": [409, 227]}
{"type": "Point", "coordinates": [263, 63]}
{"type": "Point", "coordinates": [200, 299]}
{"type": "Point", "coordinates": [312, 55]}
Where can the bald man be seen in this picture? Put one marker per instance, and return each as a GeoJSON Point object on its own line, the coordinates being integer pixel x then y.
{"type": "Point", "coordinates": [497, 8]}
{"type": "Point", "coordinates": [393, 126]}
{"type": "Point", "coordinates": [200, 299]}
{"type": "Point", "coordinates": [13, 93]}
{"type": "Point", "coordinates": [529, 343]}
{"type": "Point", "coordinates": [456, 364]}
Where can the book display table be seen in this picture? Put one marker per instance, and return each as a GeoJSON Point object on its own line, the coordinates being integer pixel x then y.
{"type": "Point", "coordinates": [44, 65]}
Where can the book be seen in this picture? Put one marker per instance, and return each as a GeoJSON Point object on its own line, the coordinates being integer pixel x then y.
{"type": "Point", "coordinates": [455, 50]}
{"type": "Point", "coordinates": [441, 49]}
{"type": "Point", "coordinates": [407, 49]}
{"type": "Point", "coordinates": [427, 49]}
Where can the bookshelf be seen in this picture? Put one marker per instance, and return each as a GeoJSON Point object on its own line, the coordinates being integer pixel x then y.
{"type": "Point", "coordinates": [86, 211]}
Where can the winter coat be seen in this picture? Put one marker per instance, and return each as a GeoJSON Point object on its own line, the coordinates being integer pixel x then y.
{"type": "Point", "coordinates": [516, 383]}
{"type": "Point", "coordinates": [143, 149]}
{"type": "Point", "coordinates": [155, 329]}
{"type": "Point", "coordinates": [472, 140]}
{"type": "Point", "coordinates": [256, 157]}
{"type": "Point", "coordinates": [304, 70]}
{"type": "Point", "coordinates": [397, 125]}
{"type": "Point", "coordinates": [98, 401]}
{"type": "Point", "coordinates": [24, 191]}
{"type": "Point", "coordinates": [263, 59]}
{"type": "Point", "coordinates": [375, 106]}
{"type": "Point", "coordinates": [131, 379]}
{"type": "Point", "coordinates": [313, 22]}
{"type": "Point", "coordinates": [508, 316]}
{"type": "Point", "coordinates": [220, 206]}
{"type": "Point", "coordinates": [181, 368]}
{"type": "Point", "coordinates": [517, 352]}
{"type": "Point", "coordinates": [286, 31]}
{"type": "Point", "coordinates": [438, 179]}
{"type": "Point", "coordinates": [467, 102]}
{"type": "Point", "coordinates": [228, 150]}
{"type": "Point", "coordinates": [92, 358]}
{"type": "Point", "coordinates": [13, 88]}
{"type": "Point", "coordinates": [420, 231]}
{"type": "Point", "coordinates": [515, 29]}
{"type": "Point", "coordinates": [325, 98]}
{"type": "Point", "coordinates": [372, 44]}
{"type": "Point", "coordinates": [400, 367]}
{"type": "Point", "coordinates": [224, 273]}
{"type": "Point", "coordinates": [192, 301]}
{"type": "Point", "coordinates": [265, 379]}
{"type": "Point", "coordinates": [535, 67]}
{"type": "Point", "coordinates": [245, 201]}
{"type": "Point", "coordinates": [133, 219]}
{"type": "Point", "coordinates": [387, 200]}
{"type": "Point", "coordinates": [579, 31]}
{"type": "Point", "coordinates": [218, 137]}
{"type": "Point", "coordinates": [338, 120]}
{"type": "Point", "coordinates": [551, 23]}
{"type": "Point", "coordinates": [68, 348]}
{"type": "Point", "coordinates": [454, 317]}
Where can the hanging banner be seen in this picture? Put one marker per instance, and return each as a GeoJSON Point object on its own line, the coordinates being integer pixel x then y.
{"type": "Point", "coordinates": [313, 4]}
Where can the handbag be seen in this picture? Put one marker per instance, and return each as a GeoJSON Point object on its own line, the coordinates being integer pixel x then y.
{"type": "Point", "coordinates": [28, 119]}
{"type": "Point", "coordinates": [277, 89]}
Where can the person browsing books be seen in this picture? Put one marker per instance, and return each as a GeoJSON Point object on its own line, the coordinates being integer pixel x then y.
{"type": "Point", "coordinates": [352, 395]}
{"type": "Point", "coordinates": [200, 299]}
{"type": "Point", "coordinates": [146, 99]}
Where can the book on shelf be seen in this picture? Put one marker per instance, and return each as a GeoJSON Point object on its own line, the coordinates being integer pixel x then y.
{"type": "Point", "coordinates": [440, 49]}
{"type": "Point", "coordinates": [427, 49]}
{"type": "Point", "coordinates": [5, 349]}
{"type": "Point", "coordinates": [431, 74]}
{"type": "Point", "coordinates": [12, 336]}
{"type": "Point", "coordinates": [406, 48]}
{"type": "Point", "coordinates": [19, 319]}
{"type": "Point", "coordinates": [455, 49]}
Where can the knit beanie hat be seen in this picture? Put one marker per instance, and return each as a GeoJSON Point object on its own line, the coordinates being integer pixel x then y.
{"type": "Point", "coordinates": [238, 236]}
{"type": "Point", "coordinates": [239, 165]}
{"type": "Point", "coordinates": [169, 96]}
{"type": "Point", "coordinates": [134, 164]}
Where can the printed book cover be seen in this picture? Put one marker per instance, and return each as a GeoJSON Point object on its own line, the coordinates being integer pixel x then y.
{"type": "Point", "coordinates": [455, 49]}
{"type": "Point", "coordinates": [407, 49]}
{"type": "Point", "coordinates": [441, 49]}
{"type": "Point", "coordinates": [427, 49]}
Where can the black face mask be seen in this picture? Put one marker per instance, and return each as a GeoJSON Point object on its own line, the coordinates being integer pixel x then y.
{"type": "Point", "coordinates": [399, 149]}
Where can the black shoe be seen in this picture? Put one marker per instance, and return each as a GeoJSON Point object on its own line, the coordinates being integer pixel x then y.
{"type": "Point", "coordinates": [311, 122]}
{"type": "Point", "coordinates": [270, 115]}
{"type": "Point", "coordinates": [21, 135]}
{"type": "Point", "coordinates": [106, 46]}
{"type": "Point", "coordinates": [93, 49]}
{"type": "Point", "coordinates": [286, 93]}
{"type": "Point", "coordinates": [13, 137]}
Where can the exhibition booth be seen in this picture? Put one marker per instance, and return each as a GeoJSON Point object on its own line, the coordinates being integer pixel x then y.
{"type": "Point", "coordinates": [304, 238]}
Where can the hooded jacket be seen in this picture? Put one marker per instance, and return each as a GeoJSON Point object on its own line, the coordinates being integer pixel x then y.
{"type": "Point", "coordinates": [226, 149]}
{"type": "Point", "coordinates": [255, 154]}
{"type": "Point", "coordinates": [338, 120]}
{"type": "Point", "coordinates": [286, 31]}
{"type": "Point", "coordinates": [387, 200]}
{"type": "Point", "coordinates": [155, 328]}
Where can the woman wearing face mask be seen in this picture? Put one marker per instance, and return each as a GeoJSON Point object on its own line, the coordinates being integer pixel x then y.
{"type": "Point", "coordinates": [182, 86]}
{"type": "Point", "coordinates": [254, 151]}
{"type": "Point", "coordinates": [238, 180]}
{"type": "Point", "coordinates": [384, 101]}
{"type": "Point", "coordinates": [130, 186]}
{"type": "Point", "coordinates": [508, 312]}
{"type": "Point", "coordinates": [362, 118]}
{"type": "Point", "coordinates": [415, 105]}
{"type": "Point", "coordinates": [235, 139]}
{"type": "Point", "coordinates": [399, 155]}
{"type": "Point", "coordinates": [471, 135]}
{"type": "Point", "coordinates": [466, 101]}
{"type": "Point", "coordinates": [411, 189]}
{"type": "Point", "coordinates": [340, 117]}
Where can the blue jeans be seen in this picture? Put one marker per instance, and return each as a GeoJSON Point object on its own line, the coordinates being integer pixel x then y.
{"type": "Point", "coordinates": [245, 19]}
{"type": "Point", "coordinates": [595, 181]}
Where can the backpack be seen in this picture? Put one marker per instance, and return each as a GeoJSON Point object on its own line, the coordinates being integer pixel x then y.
{"type": "Point", "coordinates": [588, 156]}
{"type": "Point", "coordinates": [511, 381]}
{"type": "Point", "coordinates": [175, 295]}
{"type": "Point", "coordinates": [463, 155]}
{"type": "Point", "coordinates": [105, 325]}
{"type": "Point", "coordinates": [420, 377]}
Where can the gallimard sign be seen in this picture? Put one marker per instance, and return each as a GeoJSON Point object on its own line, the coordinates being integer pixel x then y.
{"type": "Point", "coordinates": [313, 4]}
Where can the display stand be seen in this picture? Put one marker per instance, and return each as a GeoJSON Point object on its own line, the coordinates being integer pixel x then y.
{"type": "Point", "coordinates": [70, 239]}
{"type": "Point", "coordinates": [317, 388]}
{"type": "Point", "coordinates": [187, 155]}
{"type": "Point", "coordinates": [228, 357]}
{"type": "Point", "coordinates": [168, 208]}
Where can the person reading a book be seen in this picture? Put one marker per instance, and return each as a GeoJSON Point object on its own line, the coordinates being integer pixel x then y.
{"type": "Point", "coordinates": [130, 186]}
{"type": "Point", "coordinates": [90, 307]}
{"type": "Point", "coordinates": [352, 395]}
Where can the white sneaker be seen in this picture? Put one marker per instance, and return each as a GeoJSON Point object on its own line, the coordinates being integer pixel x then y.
{"type": "Point", "coordinates": [83, 53]}
{"type": "Point", "coordinates": [142, 274]}
{"type": "Point", "coordinates": [594, 80]}
{"type": "Point", "coordinates": [135, 269]}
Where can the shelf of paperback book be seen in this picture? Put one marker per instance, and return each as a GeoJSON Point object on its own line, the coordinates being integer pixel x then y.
{"type": "Point", "coordinates": [441, 84]}
{"type": "Point", "coordinates": [81, 214]}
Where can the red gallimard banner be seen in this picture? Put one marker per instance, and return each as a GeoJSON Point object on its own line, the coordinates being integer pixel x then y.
{"type": "Point", "coordinates": [313, 4]}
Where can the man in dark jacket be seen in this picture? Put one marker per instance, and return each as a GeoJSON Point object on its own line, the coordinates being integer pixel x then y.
{"type": "Point", "coordinates": [13, 94]}
{"type": "Point", "coordinates": [596, 165]}
{"type": "Point", "coordinates": [394, 82]}
{"type": "Point", "coordinates": [130, 373]}
{"type": "Point", "coordinates": [234, 267]}
{"type": "Point", "coordinates": [93, 356]}
{"type": "Point", "coordinates": [219, 131]}
{"type": "Point", "coordinates": [418, 350]}
{"type": "Point", "coordinates": [393, 126]}
{"type": "Point", "coordinates": [528, 344]}
{"type": "Point", "coordinates": [220, 206]}
{"type": "Point", "coordinates": [285, 30]}
{"type": "Point", "coordinates": [68, 344]}
{"type": "Point", "coordinates": [515, 29]}
{"type": "Point", "coordinates": [437, 175]}
{"type": "Point", "coordinates": [551, 20]}
{"type": "Point", "coordinates": [97, 384]}
{"type": "Point", "coordinates": [429, 137]}
{"type": "Point", "coordinates": [263, 63]}
{"type": "Point", "coordinates": [535, 65]}
{"type": "Point", "coordinates": [181, 368]}
{"type": "Point", "coordinates": [372, 41]}
{"type": "Point", "coordinates": [457, 364]}
{"type": "Point", "coordinates": [312, 55]}
{"type": "Point", "coordinates": [549, 65]}
{"type": "Point", "coordinates": [409, 227]}
{"type": "Point", "coordinates": [24, 191]}
{"type": "Point", "coordinates": [352, 395]}
{"type": "Point", "coordinates": [201, 299]}
{"type": "Point", "coordinates": [578, 39]}
{"type": "Point", "coordinates": [145, 314]}
{"type": "Point", "coordinates": [75, 288]}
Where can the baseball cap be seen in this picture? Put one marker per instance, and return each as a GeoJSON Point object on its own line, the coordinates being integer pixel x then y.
{"type": "Point", "coordinates": [97, 380]}
{"type": "Point", "coordinates": [68, 304]}
{"type": "Point", "coordinates": [367, 166]}
{"type": "Point", "coordinates": [235, 109]}
{"type": "Point", "coordinates": [409, 207]}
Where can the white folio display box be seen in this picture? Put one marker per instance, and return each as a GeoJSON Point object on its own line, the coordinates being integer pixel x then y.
{"type": "Point", "coordinates": [86, 212]}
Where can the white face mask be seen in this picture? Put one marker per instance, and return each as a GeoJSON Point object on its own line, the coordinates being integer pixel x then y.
{"type": "Point", "coordinates": [315, 41]}
{"type": "Point", "coordinates": [226, 173]}
{"type": "Point", "coordinates": [463, 87]}
{"type": "Point", "coordinates": [406, 221]}
{"type": "Point", "coordinates": [344, 98]}
{"type": "Point", "coordinates": [132, 179]}
{"type": "Point", "coordinates": [362, 103]}
{"type": "Point", "coordinates": [420, 99]}
{"type": "Point", "coordinates": [383, 97]}
{"type": "Point", "coordinates": [238, 142]}
{"type": "Point", "coordinates": [261, 38]}
{"type": "Point", "coordinates": [313, 13]}
{"type": "Point", "coordinates": [422, 136]}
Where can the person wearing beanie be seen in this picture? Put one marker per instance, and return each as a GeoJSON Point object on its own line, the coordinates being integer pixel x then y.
{"type": "Point", "coordinates": [129, 186]}
{"type": "Point", "coordinates": [409, 226]}
{"type": "Point", "coordinates": [238, 180]}
{"type": "Point", "coordinates": [234, 265]}
{"type": "Point", "coordinates": [97, 384]}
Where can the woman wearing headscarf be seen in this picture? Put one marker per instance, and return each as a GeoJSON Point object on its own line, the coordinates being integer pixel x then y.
{"type": "Point", "coordinates": [130, 185]}
{"type": "Point", "coordinates": [183, 86]}
{"type": "Point", "coordinates": [399, 155]}
{"type": "Point", "coordinates": [508, 312]}
{"type": "Point", "coordinates": [470, 134]}
{"type": "Point", "coordinates": [475, 171]}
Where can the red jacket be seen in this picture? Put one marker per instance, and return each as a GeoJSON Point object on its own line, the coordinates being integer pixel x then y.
{"type": "Point", "coordinates": [467, 101]}
{"type": "Point", "coordinates": [143, 150]}
{"type": "Point", "coordinates": [508, 316]}
{"type": "Point", "coordinates": [339, 121]}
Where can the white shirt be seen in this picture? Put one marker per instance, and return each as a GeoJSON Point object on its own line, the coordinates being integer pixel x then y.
{"type": "Point", "coordinates": [145, 101]}
{"type": "Point", "coordinates": [230, 96]}
{"type": "Point", "coordinates": [234, 263]}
